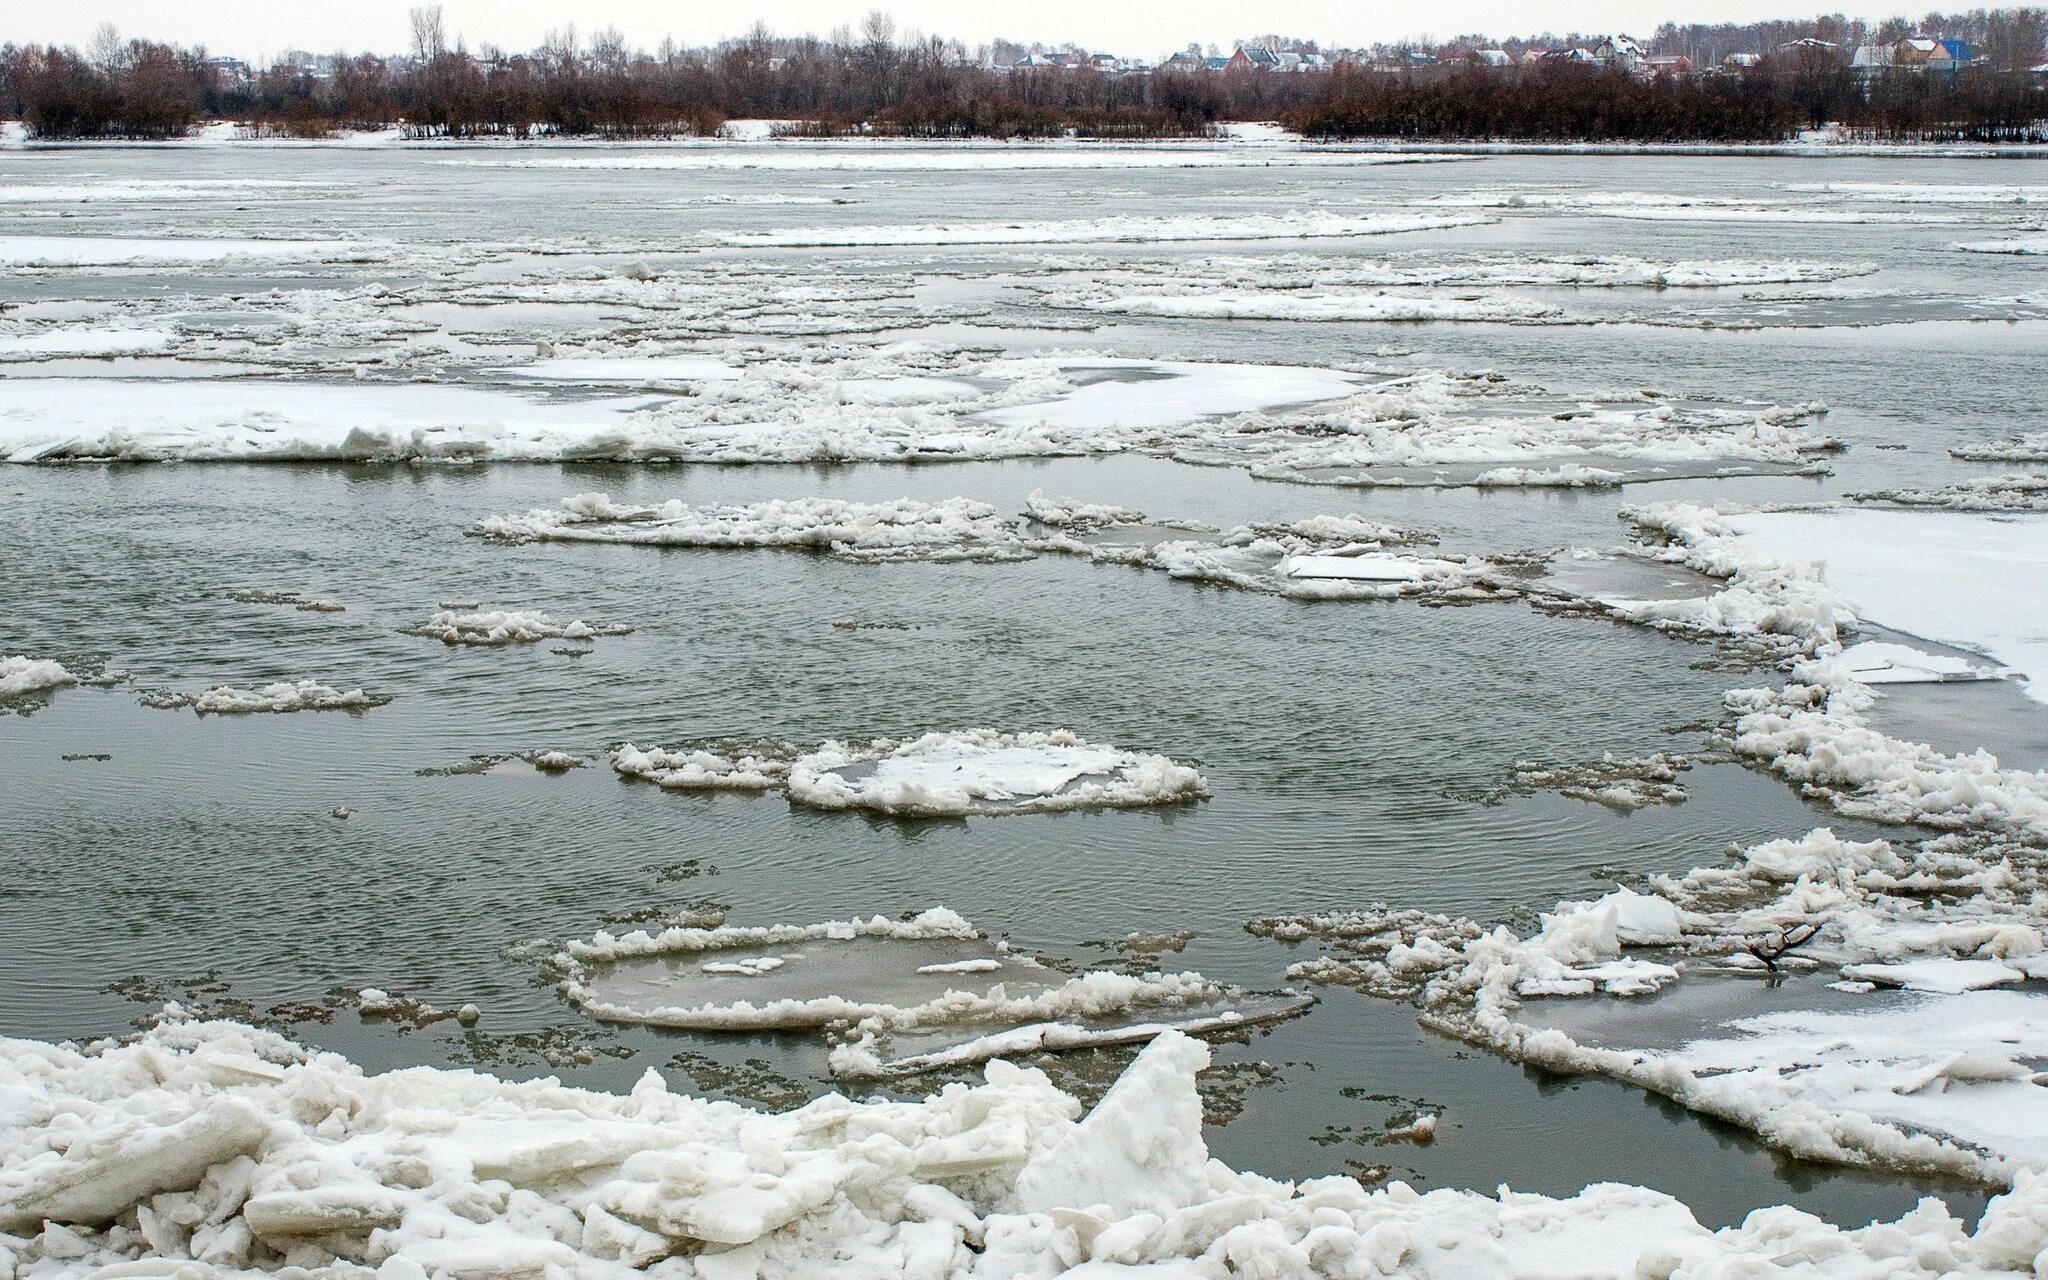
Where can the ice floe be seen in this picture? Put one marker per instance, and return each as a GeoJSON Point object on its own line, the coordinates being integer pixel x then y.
{"type": "Point", "coordinates": [892, 996]}
{"type": "Point", "coordinates": [1122, 228]}
{"type": "Point", "coordinates": [17, 252]}
{"type": "Point", "coordinates": [2024, 245]}
{"type": "Point", "coordinates": [21, 675]}
{"type": "Point", "coordinates": [1624, 785]}
{"type": "Point", "coordinates": [224, 1148]}
{"type": "Point", "coordinates": [2032, 447]}
{"type": "Point", "coordinates": [1980, 493]}
{"type": "Point", "coordinates": [927, 157]}
{"type": "Point", "coordinates": [490, 627]}
{"type": "Point", "coordinates": [1936, 1087]}
{"type": "Point", "coordinates": [972, 771]}
{"type": "Point", "coordinates": [900, 530]}
{"type": "Point", "coordinates": [1291, 272]}
{"type": "Point", "coordinates": [283, 696]}
{"type": "Point", "coordinates": [980, 771]}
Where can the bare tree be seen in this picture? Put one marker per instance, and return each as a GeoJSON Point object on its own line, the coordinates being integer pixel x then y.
{"type": "Point", "coordinates": [429, 32]}
{"type": "Point", "coordinates": [107, 50]}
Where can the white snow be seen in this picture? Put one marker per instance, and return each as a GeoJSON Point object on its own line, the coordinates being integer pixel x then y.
{"type": "Point", "coordinates": [1255, 304]}
{"type": "Point", "coordinates": [1948, 977]}
{"type": "Point", "coordinates": [168, 190]}
{"type": "Point", "coordinates": [21, 674]}
{"type": "Point", "coordinates": [42, 344]}
{"type": "Point", "coordinates": [220, 1147]}
{"type": "Point", "coordinates": [1142, 395]}
{"type": "Point", "coordinates": [1961, 578]}
{"type": "Point", "coordinates": [699, 770]}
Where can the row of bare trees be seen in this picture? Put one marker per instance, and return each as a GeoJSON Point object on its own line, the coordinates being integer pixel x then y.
{"type": "Point", "coordinates": [870, 80]}
{"type": "Point", "coordinates": [1564, 101]}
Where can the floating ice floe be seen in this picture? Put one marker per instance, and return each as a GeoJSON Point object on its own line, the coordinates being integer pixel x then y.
{"type": "Point", "coordinates": [1323, 557]}
{"type": "Point", "coordinates": [1280, 274]}
{"type": "Point", "coordinates": [18, 252]}
{"type": "Point", "coordinates": [2025, 245]}
{"type": "Point", "coordinates": [249, 421]}
{"type": "Point", "coordinates": [152, 190]}
{"type": "Point", "coordinates": [2032, 447]}
{"type": "Point", "coordinates": [1253, 304]}
{"type": "Point", "coordinates": [627, 370]}
{"type": "Point", "coordinates": [1982, 493]}
{"type": "Point", "coordinates": [1624, 785]}
{"type": "Point", "coordinates": [21, 675]}
{"type": "Point", "coordinates": [1121, 228]}
{"type": "Point", "coordinates": [957, 529]}
{"type": "Point", "coordinates": [490, 627]}
{"type": "Point", "coordinates": [1928, 193]}
{"type": "Point", "coordinates": [1936, 1081]}
{"type": "Point", "coordinates": [952, 774]}
{"type": "Point", "coordinates": [304, 695]}
{"type": "Point", "coordinates": [1440, 429]}
{"type": "Point", "coordinates": [980, 771]}
{"type": "Point", "coordinates": [893, 996]}
{"type": "Point", "coordinates": [45, 344]}
{"type": "Point", "coordinates": [214, 1145]}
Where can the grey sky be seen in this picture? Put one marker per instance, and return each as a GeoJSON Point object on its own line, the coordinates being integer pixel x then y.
{"type": "Point", "coordinates": [1150, 27]}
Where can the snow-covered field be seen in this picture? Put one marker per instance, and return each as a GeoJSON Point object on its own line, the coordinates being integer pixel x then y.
{"type": "Point", "coordinates": [1654, 513]}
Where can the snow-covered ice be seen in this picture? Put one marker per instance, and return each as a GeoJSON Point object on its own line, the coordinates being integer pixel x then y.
{"type": "Point", "coordinates": [1101, 230]}
{"type": "Point", "coordinates": [491, 627]}
{"type": "Point", "coordinates": [981, 771]}
{"type": "Point", "coordinates": [21, 674]}
{"type": "Point", "coordinates": [18, 252]}
{"type": "Point", "coordinates": [901, 530]}
{"type": "Point", "coordinates": [283, 696]}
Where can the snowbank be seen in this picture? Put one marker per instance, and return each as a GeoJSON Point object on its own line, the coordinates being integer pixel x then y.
{"type": "Point", "coordinates": [235, 1149]}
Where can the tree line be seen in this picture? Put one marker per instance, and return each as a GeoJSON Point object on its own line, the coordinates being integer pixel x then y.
{"type": "Point", "coordinates": [871, 81]}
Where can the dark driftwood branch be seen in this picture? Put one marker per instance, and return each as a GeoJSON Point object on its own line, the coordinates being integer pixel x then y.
{"type": "Point", "coordinates": [1771, 948]}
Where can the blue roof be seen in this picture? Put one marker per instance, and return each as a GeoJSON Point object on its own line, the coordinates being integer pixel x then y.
{"type": "Point", "coordinates": [1957, 50]}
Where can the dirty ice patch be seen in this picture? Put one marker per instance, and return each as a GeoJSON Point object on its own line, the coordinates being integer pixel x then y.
{"type": "Point", "coordinates": [21, 675]}
{"type": "Point", "coordinates": [1108, 230]}
{"type": "Point", "coordinates": [272, 421]}
{"type": "Point", "coordinates": [1962, 578]}
{"type": "Point", "coordinates": [2032, 447]}
{"type": "Point", "coordinates": [111, 251]}
{"type": "Point", "coordinates": [282, 697]}
{"type": "Point", "coordinates": [497, 627]}
{"type": "Point", "coordinates": [980, 771]}
{"type": "Point", "coordinates": [1979, 493]}
{"type": "Point", "coordinates": [905, 529]}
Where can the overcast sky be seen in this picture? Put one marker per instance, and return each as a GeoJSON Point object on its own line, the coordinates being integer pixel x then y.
{"type": "Point", "coordinates": [251, 28]}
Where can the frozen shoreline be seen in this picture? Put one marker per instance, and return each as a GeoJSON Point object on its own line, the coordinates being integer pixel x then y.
{"type": "Point", "coordinates": [1266, 142]}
